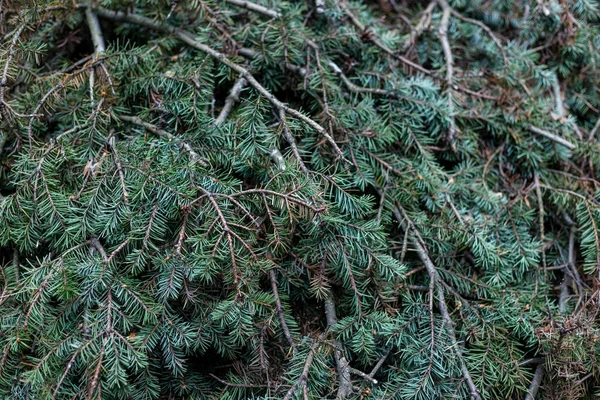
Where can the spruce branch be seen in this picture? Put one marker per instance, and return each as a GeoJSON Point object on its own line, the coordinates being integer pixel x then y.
{"type": "Point", "coordinates": [195, 157]}
{"type": "Point", "coordinates": [232, 98]}
{"type": "Point", "coordinates": [188, 38]}
{"type": "Point", "coordinates": [535, 382]}
{"type": "Point", "coordinates": [255, 7]}
{"type": "Point", "coordinates": [443, 36]}
{"type": "Point", "coordinates": [279, 309]}
{"type": "Point", "coordinates": [434, 276]}
{"type": "Point", "coordinates": [552, 137]}
{"type": "Point", "coordinates": [301, 382]}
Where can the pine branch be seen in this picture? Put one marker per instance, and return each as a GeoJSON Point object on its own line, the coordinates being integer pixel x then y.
{"type": "Point", "coordinates": [301, 382]}
{"type": "Point", "coordinates": [535, 382]}
{"type": "Point", "coordinates": [232, 98]}
{"type": "Point", "coordinates": [435, 278]}
{"type": "Point", "coordinates": [188, 38]}
{"type": "Point", "coordinates": [255, 7]}
{"type": "Point", "coordinates": [552, 137]}
{"type": "Point", "coordinates": [160, 132]}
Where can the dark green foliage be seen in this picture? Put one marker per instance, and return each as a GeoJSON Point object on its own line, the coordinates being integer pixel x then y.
{"type": "Point", "coordinates": [241, 200]}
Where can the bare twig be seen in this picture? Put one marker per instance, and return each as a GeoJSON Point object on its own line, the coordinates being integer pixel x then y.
{"type": "Point", "coordinates": [594, 130]}
{"type": "Point", "coordinates": [279, 309]}
{"type": "Point", "coordinates": [160, 132]}
{"type": "Point", "coordinates": [535, 382]}
{"type": "Point", "coordinates": [559, 108]}
{"type": "Point", "coordinates": [255, 7]}
{"type": "Point", "coordinates": [188, 38]}
{"type": "Point", "coordinates": [363, 375]}
{"type": "Point", "coordinates": [95, 31]}
{"type": "Point", "coordinates": [552, 137]}
{"type": "Point", "coordinates": [357, 89]}
{"type": "Point", "coordinates": [380, 362]}
{"type": "Point", "coordinates": [232, 98]}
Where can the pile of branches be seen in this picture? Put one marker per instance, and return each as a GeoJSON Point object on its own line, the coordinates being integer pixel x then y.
{"type": "Point", "coordinates": [299, 200]}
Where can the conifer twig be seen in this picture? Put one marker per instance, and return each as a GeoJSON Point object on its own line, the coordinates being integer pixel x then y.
{"type": "Point", "coordinates": [552, 137]}
{"type": "Point", "coordinates": [301, 382]}
{"type": "Point", "coordinates": [535, 382]}
{"type": "Point", "coordinates": [291, 141]}
{"type": "Point", "coordinates": [279, 309]}
{"type": "Point", "coordinates": [4, 80]}
{"type": "Point", "coordinates": [343, 367]}
{"type": "Point", "coordinates": [188, 38]}
{"type": "Point", "coordinates": [95, 31]}
{"type": "Point", "coordinates": [443, 35]}
{"type": "Point", "coordinates": [419, 244]}
{"type": "Point", "coordinates": [160, 132]}
{"type": "Point", "coordinates": [255, 7]}
{"type": "Point", "coordinates": [232, 98]}
{"type": "Point", "coordinates": [486, 29]}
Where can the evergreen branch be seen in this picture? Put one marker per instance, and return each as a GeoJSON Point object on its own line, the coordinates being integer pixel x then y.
{"type": "Point", "coordinates": [279, 310]}
{"type": "Point", "coordinates": [95, 31]}
{"type": "Point", "coordinates": [552, 137]}
{"type": "Point", "coordinates": [343, 367]}
{"type": "Point", "coordinates": [188, 38]}
{"type": "Point", "coordinates": [357, 89]}
{"type": "Point", "coordinates": [535, 382]}
{"type": "Point", "coordinates": [39, 105]}
{"type": "Point", "coordinates": [419, 244]}
{"type": "Point", "coordinates": [443, 35]}
{"type": "Point", "coordinates": [232, 98]}
{"type": "Point", "coordinates": [4, 79]}
{"type": "Point", "coordinates": [371, 36]}
{"type": "Point", "coordinates": [160, 132]}
{"type": "Point", "coordinates": [486, 29]}
{"type": "Point", "coordinates": [255, 7]}
{"type": "Point", "coordinates": [291, 141]}
{"type": "Point", "coordinates": [301, 382]}
{"type": "Point", "coordinates": [237, 385]}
